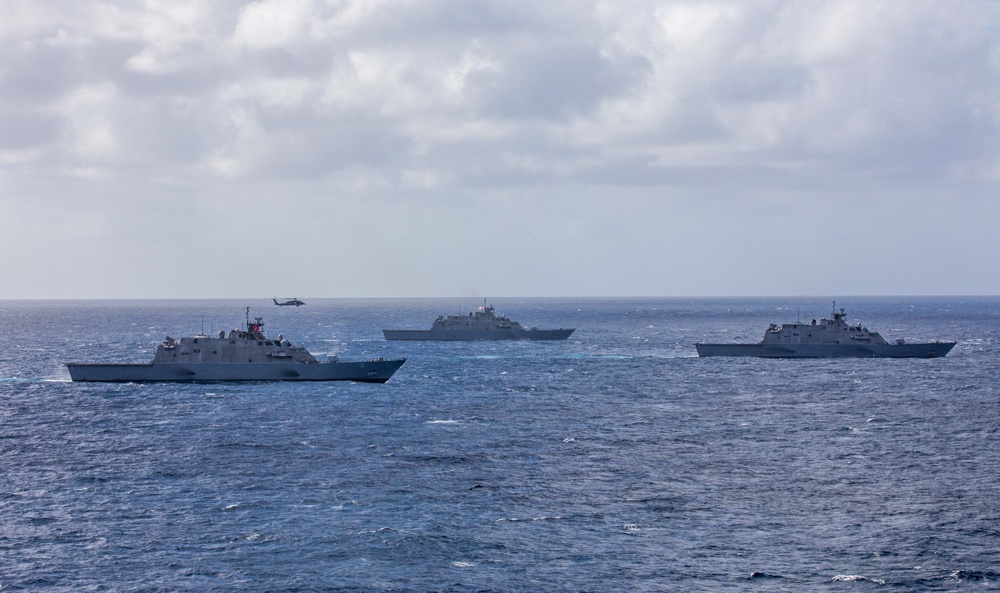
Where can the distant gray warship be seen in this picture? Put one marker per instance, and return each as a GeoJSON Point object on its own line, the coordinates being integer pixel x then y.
{"type": "Point", "coordinates": [827, 339]}
{"type": "Point", "coordinates": [482, 324]}
{"type": "Point", "coordinates": [243, 355]}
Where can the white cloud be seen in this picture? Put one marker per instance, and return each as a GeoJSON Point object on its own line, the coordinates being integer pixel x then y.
{"type": "Point", "coordinates": [423, 107]}
{"type": "Point", "coordinates": [165, 27]}
{"type": "Point", "coordinates": [687, 25]}
{"type": "Point", "coordinates": [472, 62]}
{"type": "Point", "coordinates": [89, 112]}
{"type": "Point", "coordinates": [245, 139]}
{"type": "Point", "coordinates": [271, 24]}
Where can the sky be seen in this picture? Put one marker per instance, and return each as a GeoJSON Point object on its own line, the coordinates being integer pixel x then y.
{"type": "Point", "coordinates": [442, 148]}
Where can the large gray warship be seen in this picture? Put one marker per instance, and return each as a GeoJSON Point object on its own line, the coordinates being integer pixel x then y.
{"type": "Point", "coordinates": [827, 339]}
{"type": "Point", "coordinates": [482, 324]}
{"type": "Point", "coordinates": [243, 355]}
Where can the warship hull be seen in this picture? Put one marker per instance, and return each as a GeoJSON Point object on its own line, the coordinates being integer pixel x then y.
{"type": "Point", "coordinates": [470, 335]}
{"type": "Point", "coordinates": [925, 350]}
{"type": "Point", "coordinates": [369, 371]}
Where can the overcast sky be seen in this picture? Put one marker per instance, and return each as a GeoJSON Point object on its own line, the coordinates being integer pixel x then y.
{"type": "Point", "coordinates": [356, 148]}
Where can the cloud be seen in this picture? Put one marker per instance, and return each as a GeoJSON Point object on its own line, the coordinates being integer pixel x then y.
{"type": "Point", "coordinates": [271, 24]}
{"type": "Point", "coordinates": [435, 103]}
{"type": "Point", "coordinates": [707, 83]}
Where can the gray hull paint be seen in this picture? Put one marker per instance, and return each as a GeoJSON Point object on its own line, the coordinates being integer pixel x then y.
{"type": "Point", "coordinates": [370, 371]}
{"type": "Point", "coordinates": [467, 335]}
{"type": "Point", "coordinates": [926, 350]}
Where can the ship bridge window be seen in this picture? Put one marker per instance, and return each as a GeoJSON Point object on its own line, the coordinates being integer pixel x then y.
{"type": "Point", "coordinates": [270, 343]}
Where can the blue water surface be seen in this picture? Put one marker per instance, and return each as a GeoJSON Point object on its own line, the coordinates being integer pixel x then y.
{"type": "Point", "coordinates": [614, 461]}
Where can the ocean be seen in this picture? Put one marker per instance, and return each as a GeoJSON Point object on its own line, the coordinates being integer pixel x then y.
{"type": "Point", "coordinates": [614, 461]}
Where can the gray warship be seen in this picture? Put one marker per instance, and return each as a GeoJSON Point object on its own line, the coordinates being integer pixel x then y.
{"type": "Point", "coordinates": [827, 339]}
{"type": "Point", "coordinates": [482, 324]}
{"type": "Point", "coordinates": [243, 355]}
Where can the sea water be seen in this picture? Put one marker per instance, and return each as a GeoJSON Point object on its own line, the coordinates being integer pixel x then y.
{"type": "Point", "coordinates": [614, 461]}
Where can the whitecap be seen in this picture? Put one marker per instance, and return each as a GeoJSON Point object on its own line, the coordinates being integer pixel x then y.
{"type": "Point", "coordinates": [846, 578]}
{"type": "Point", "coordinates": [383, 530]}
{"type": "Point", "coordinates": [849, 578]}
{"type": "Point", "coordinates": [516, 520]}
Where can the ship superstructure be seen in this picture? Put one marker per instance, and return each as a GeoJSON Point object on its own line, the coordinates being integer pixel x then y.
{"type": "Point", "coordinates": [240, 345]}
